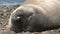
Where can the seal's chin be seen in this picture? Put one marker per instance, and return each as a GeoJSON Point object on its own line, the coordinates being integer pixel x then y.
{"type": "Point", "coordinates": [16, 29]}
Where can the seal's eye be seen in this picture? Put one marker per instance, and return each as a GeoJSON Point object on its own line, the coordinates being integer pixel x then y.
{"type": "Point", "coordinates": [29, 17]}
{"type": "Point", "coordinates": [18, 17]}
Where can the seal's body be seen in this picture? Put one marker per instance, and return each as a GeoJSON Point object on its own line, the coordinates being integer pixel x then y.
{"type": "Point", "coordinates": [34, 17]}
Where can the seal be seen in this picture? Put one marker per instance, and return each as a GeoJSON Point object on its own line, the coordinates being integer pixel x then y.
{"type": "Point", "coordinates": [35, 17]}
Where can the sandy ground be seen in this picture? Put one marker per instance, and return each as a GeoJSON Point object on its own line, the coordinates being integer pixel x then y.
{"type": "Point", "coordinates": [5, 12]}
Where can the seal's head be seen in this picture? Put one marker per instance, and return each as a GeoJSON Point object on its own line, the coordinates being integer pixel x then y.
{"type": "Point", "coordinates": [25, 18]}
{"type": "Point", "coordinates": [19, 19]}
